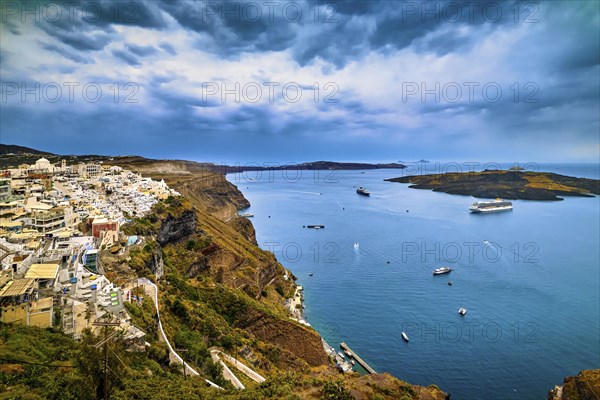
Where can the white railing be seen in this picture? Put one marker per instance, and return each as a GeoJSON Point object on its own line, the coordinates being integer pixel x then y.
{"type": "Point", "coordinates": [144, 282]}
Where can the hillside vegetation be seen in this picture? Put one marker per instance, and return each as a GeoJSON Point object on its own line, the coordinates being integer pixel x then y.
{"type": "Point", "coordinates": [217, 290]}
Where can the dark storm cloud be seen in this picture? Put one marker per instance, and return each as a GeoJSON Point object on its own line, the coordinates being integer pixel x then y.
{"type": "Point", "coordinates": [445, 42]}
{"type": "Point", "coordinates": [174, 101]}
{"type": "Point", "coordinates": [168, 48]}
{"type": "Point", "coordinates": [66, 53]}
{"type": "Point", "coordinates": [341, 31]}
{"type": "Point", "coordinates": [560, 53]}
{"type": "Point", "coordinates": [399, 24]}
{"type": "Point", "coordinates": [356, 7]}
{"type": "Point", "coordinates": [582, 46]}
{"type": "Point", "coordinates": [122, 12]}
{"type": "Point", "coordinates": [126, 56]}
{"type": "Point", "coordinates": [230, 28]}
{"type": "Point", "coordinates": [83, 25]}
{"type": "Point", "coordinates": [12, 27]}
{"type": "Point", "coordinates": [343, 40]}
{"type": "Point", "coordinates": [78, 35]}
{"type": "Point", "coordinates": [141, 51]}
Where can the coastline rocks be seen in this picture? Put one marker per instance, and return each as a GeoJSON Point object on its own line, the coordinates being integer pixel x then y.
{"type": "Point", "coordinates": [584, 386]}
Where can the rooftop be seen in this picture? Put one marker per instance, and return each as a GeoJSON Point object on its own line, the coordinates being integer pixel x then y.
{"type": "Point", "coordinates": [42, 271]}
{"type": "Point", "coordinates": [16, 287]}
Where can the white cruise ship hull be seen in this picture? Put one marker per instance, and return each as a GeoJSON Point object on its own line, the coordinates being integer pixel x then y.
{"type": "Point", "coordinates": [489, 210]}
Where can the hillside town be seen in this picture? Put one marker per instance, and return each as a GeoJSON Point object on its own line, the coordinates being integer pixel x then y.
{"type": "Point", "coordinates": [55, 219]}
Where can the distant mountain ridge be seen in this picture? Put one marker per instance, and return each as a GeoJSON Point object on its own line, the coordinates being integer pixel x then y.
{"type": "Point", "coordinates": [25, 154]}
{"type": "Point", "coordinates": [20, 150]}
{"type": "Point", "coordinates": [315, 165]}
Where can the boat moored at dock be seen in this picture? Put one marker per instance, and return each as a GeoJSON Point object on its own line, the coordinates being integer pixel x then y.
{"type": "Point", "coordinates": [359, 360]}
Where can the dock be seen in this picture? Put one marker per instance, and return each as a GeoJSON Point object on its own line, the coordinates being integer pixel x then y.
{"type": "Point", "coordinates": [362, 362]}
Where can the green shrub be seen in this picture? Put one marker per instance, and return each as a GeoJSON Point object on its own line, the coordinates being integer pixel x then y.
{"type": "Point", "coordinates": [178, 308]}
{"type": "Point", "coordinates": [336, 391]}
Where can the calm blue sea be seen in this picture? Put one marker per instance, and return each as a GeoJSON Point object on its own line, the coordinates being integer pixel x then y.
{"type": "Point", "coordinates": [532, 293]}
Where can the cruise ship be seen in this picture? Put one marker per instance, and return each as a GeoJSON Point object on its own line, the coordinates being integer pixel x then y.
{"type": "Point", "coordinates": [490, 206]}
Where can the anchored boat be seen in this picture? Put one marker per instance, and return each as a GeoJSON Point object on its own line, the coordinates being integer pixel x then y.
{"type": "Point", "coordinates": [315, 226]}
{"type": "Point", "coordinates": [482, 207]}
{"type": "Point", "coordinates": [442, 270]}
{"type": "Point", "coordinates": [363, 191]}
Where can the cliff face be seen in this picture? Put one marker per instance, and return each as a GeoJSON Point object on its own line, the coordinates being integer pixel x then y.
{"type": "Point", "coordinates": [145, 259]}
{"type": "Point", "coordinates": [222, 290]}
{"type": "Point", "coordinates": [584, 386]}
{"type": "Point", "coordinates": [157, 266]}
{"type": "Point", "coordinates": [302, 342]}
{"type": "Point", "coordinates": [173, 229]}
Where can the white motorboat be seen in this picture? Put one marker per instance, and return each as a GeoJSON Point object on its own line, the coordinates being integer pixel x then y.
{"type": "Point", "coordinates": [442, 270]}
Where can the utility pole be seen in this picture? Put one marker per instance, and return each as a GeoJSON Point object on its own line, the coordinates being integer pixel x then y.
{"type": "Point", "coordinates": [183, 361]}
{"type": "Point", "coordinates": [105, 324]}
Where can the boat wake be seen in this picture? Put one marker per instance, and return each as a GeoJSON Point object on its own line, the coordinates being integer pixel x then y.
{"type": "Point", "coordinates": [501, 249]}
{"type": "Point", "coordinates": [301, 192]}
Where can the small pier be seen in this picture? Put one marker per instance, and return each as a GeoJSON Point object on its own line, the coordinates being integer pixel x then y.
{"type": "Point", "coordinates": [362, 362]}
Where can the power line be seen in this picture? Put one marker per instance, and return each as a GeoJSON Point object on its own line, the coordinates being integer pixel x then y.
{"type": "Point", "coordinates": [105, 324]}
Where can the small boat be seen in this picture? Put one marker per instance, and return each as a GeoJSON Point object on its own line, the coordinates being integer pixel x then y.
{"type": "Point", "coordinates": [442, 270]}
{"type": "Point", "coordinates": [247, 215]}
{"type": "Point", "coordinates": [352, 362]}
{"type": "Point", "coordinates": [449, 283]}
{"type": "Point", "coordinates": [363, 191]}
{"type": "Point", "coordinates": [341, 354]}
{"type": "Point", "coordinates": [310, 274]}
{"type": "Point", "coordinates": [462, 311]}
{"type": "Point", "coordinates": [348, 353]}
{"type": "Point", "coordinates": [315, 226]}
{"type": "Point", "coordinates": [405, 336]}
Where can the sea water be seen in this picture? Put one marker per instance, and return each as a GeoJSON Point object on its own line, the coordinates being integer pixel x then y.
{"type": "Point", "coordinates": [529, 278]}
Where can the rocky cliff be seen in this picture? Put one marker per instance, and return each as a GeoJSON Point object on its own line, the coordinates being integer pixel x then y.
{"type": "Point", "coordinates": [584, 386]}
{"type": "Point", "coordinates": [173, 229]}
{"type": "Point", "coordinates": [219, 285]}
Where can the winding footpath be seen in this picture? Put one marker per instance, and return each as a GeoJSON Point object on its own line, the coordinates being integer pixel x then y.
{"type": "Point", "coordinates": [152, 290]}
{"type": "Point", "coordinates": [230, 376]}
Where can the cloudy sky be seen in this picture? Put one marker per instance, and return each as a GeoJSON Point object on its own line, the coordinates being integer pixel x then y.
{"type": "Point", "coordinates": [290, 81]}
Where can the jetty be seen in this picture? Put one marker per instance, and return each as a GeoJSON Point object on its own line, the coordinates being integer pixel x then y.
{"type": "Point", "coordinates": [362, 362]}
